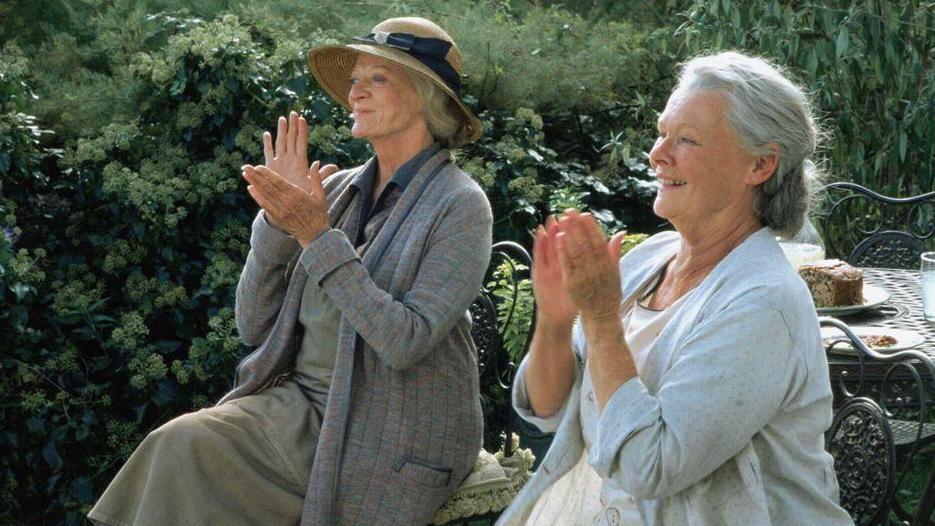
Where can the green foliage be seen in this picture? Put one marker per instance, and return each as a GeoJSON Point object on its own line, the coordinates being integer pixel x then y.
{"type": "Point", "coordinates": [869, 66]}
{"type": "Point", "coordinates": [515, 305]}
{"type": "Point", "coordinates": [630, 241]}
{"type": "Point", "coordinates": [124, 231]}
{"type": "Point", "coordinates": [133, 294]}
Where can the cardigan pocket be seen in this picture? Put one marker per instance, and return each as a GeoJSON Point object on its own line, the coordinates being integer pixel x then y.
{"type": "Point", "coordinates": [423, 472]}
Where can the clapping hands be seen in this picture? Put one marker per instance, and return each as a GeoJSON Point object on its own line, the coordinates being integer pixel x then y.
{"type": "Point", "coordinates": [286, 187]}
{"type": "Point", "coordinates": [575, 270]}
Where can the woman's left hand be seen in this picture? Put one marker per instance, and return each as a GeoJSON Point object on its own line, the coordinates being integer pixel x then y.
{"type": "Point", "coordinates": [302, 214]}
{"type": "Point", "coordinates": [589, 266]}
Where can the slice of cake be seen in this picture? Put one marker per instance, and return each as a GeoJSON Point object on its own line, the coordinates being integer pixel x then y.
{"type": "Point", "coordinates": [833, 283]}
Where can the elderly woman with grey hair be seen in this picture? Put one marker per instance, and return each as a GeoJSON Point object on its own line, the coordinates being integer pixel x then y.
{"type": "Point", "coordinates": [687, 382]}
{"type": "Point", "coordinates": [361, 403]}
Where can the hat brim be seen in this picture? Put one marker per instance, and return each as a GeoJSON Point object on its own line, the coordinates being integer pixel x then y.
{"type": "Point", "coordinates": [332, 66]}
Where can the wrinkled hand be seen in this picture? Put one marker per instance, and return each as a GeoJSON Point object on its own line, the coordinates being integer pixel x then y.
{"type": "Point", "coordinates": [289, 156]}
{"type": "Point", "coordinates": [552, 301]}
{"type": "Point", "coordinates": [589, 264]}
{"type": "Point", "coordinates": [302, 213]}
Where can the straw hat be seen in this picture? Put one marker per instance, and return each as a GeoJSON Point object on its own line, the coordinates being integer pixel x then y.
{"type": "Point", "coordinates": [415, 43]}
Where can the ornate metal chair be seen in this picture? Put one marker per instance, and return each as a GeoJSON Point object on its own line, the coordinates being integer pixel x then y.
{"type": "Point", "coordinates": [861, 442]}
{"type": "Point", "coordinates": [492, 324]}
{"type": "Point", "coordinates": [497, 313]}
{"type": "Point", "coordinates": [880, 423]}
{"type": "Point", "coordinates": [872, 230]}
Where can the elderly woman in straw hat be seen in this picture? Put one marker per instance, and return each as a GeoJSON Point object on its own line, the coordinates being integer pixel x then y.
{"type": "Point", "coordinates": [360, 405]}
{"type": "Point", "coordinates": [686, 382]}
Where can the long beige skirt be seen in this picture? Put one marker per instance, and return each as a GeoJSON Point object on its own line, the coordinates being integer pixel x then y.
{"type": "Point", "coordinates": [244, 462]}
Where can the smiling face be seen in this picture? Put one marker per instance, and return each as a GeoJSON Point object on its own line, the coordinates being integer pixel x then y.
{"type": "Point", "coordinates": [706, 176]}
{"type": "Point", "coordinates": [384, 103]}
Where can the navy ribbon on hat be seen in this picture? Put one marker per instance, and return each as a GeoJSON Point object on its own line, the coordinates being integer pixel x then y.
{"type": "Point", "coordinates": [429, 51]}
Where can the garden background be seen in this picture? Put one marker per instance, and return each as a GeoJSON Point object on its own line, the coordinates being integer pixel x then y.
{"type": "Point", "coordinates": [125, 222]}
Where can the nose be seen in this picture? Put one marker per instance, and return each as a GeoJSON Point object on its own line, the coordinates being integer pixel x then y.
{"type": "Point", "coordinates": [356, 92]}
{"type": "Point", "coordinates": [659, 155]}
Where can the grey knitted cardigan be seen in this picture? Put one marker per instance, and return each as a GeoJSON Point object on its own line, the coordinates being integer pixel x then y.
{"type": "Point", "coordinates": [403, 422]}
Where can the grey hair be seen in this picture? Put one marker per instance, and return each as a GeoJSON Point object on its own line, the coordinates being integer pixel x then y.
{"type": "Point", "coordinates": [440, 112]}
{"type": "Point", "coordinates": [766, 108]}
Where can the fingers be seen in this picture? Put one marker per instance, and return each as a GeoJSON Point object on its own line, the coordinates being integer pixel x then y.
{"type": "Point", "coordinates": [538, 248]}
{"type": "Point", "coordinates": [269, 183]}
{"type": "Point", "coordinates": [316, 175]}
{"type": "Point", "coordinates": [562, 254]}
{"type": "Point", "coordinates": [274, 183]}
{"type": "Point", "coordinates": [257, 191]}
{"type": "Point", "coordinates": [268, 153]}
{"type": "Point", "coordinates": [544, 244]}
{"type": "Point", "coordinates": [583, 230]}
{"type": "Point", "coordinates": [613, 246]}
{"type": "Point", "coordinates": [550, 244]}
{"type": "Point", "coordinates": [261, 199]}
{"type": "Point", "coordinates": [580, 242]}
{"type": "Point", "coordinates": [328, 170]}
{"type": "Point", "coordinates": [292, 136]}
{"type": "Point", "coordinates": [281, 137]}
{"type": "Point", "coordinates": [592, 231]}
{"type": "Point", "coordinates": [301, 138]}
{"type": "Point", "coordinates": [571, 234]}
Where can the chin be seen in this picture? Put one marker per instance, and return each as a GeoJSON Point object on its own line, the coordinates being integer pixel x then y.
{"type": "Point", "coordinates": [358, 133]}
{"type": "Point", "coordinates": [660, 208]}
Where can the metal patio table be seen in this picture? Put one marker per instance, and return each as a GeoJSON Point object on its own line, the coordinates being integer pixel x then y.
{"type": "Point", "coordinates": [903, 310]}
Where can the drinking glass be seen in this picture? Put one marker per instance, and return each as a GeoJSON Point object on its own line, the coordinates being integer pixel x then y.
{"type": "Point", "coordinates": [804, 247]}
{"type": "Point", "coordinates": [927, 281]}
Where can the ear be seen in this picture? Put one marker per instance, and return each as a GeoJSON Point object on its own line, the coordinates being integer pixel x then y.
{"type": "Point", "coordinates": [764, 166]}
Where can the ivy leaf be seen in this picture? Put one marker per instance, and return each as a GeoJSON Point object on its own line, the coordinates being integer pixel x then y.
{"type": "Point", "coordinates": [840, 47]}
{"type": "Point", "coordinates": [51, 456]}
{"type": "Point", "coordinates": [903, 142]}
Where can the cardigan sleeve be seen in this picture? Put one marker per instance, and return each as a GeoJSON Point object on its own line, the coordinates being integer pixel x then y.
{"type": "Point", "coordinates": [520, 395]}
{"type": "Point", "coordinates": [727, 382]}
{"type": "Point", "coordinates": [262, 282]}
{"type": "Point", "coordinates": [401, 332]}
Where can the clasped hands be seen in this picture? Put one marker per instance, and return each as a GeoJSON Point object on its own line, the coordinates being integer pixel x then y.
{"type": "Point", "coordinates": [575, 270]}
{"type": "Point", "coordinates": [286, 187]}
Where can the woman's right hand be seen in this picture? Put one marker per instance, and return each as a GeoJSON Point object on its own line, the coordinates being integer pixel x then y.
{"type": "Point", "coordinates": [289, 156]}
{"type": "Point", "coordinates": [553, 304]}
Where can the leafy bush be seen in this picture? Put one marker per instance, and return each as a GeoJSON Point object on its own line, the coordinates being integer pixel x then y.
{"type": "Point", "coordinates": [133, 294]}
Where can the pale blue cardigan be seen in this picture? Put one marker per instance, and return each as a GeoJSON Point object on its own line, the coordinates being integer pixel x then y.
{"type": "Point", "coordinates": [725, 424]}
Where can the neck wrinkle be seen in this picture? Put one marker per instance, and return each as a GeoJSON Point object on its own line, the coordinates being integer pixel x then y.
{"type": "Point", "coordinates": [697, 257]}
{"type": "Point", "coordinates": [393, 152]}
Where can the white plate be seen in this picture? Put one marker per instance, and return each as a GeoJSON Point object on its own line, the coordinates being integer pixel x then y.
{"type": "Point", "coordinates": [873, 296]}
{"type": "Point", "coordinates": [904, 339]}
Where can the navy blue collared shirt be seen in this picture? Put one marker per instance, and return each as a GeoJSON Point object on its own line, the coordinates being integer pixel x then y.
{"type": "Point", "coordinates": [364, 216]}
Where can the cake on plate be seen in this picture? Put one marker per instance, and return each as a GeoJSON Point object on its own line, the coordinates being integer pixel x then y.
{"type": "Point", "coordinates": [833, 283]}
